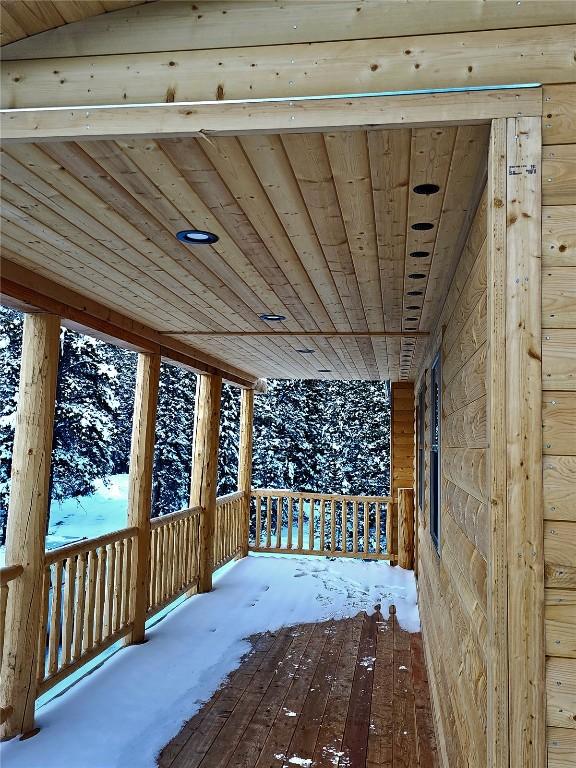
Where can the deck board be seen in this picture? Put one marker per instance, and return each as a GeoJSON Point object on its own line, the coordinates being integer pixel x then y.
{"type": "Point", "coordinates": [351, 693]}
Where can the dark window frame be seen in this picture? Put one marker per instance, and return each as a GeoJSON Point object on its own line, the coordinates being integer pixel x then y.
{"type": "Point", "coordinates": [435, 448]}
{"type": "Point", "coordinates": [421, 444]}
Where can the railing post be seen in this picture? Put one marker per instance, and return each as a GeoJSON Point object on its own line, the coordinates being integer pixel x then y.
{"type": "Point", "coordinates": [245, 461]}
{"type": "Point", "coordinates": [140, 484]}
{"type": "Point", "coordinates": [406, 528]}
{"type": "Point", "coordinates": [205, 469]}
{"type": "Point", "coordinates": [27, 517]}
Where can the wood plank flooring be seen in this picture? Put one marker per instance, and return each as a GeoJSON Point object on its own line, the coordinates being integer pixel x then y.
{"type": "Point", "coordinates": [351, 693]}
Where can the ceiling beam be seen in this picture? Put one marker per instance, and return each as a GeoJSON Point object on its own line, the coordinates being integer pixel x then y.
{"type": "Point", "coordinates": [302, 334]}
{"type": "Point", "coordinates": [221, 118]}
{"type": "Point", "coordinates": [463, 59]}
{"type": "Point", "coordinates": [28, 291]}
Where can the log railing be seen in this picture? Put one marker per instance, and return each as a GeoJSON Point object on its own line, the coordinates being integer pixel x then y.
{"type": "Point", "coordinates": [229, 528]}
{"type": "Point", "coordinates": [319, 524]}
{"type": "Point", "coordinates": [174, 541]}
{"type": "Point", "coordinates": [7, 575]}
{"type": "Point", "coordinates": [86, 603]}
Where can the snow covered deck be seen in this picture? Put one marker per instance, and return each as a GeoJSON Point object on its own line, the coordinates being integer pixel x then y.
{"type": "Point", "coordinates": [354, 681]}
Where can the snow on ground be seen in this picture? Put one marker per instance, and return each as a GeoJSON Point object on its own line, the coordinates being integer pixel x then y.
{"type": "Point", "coordinates": [123, 713]}
{"type": "Point", "coordinates": [87, 517]}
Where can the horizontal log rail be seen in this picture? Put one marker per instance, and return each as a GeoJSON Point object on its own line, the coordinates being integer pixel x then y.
{"type": "Point", "coordinates": [319, 524]}
{"type": "Point", "coordinates": [229, 528]}
{"type": "Point", "coordinates": [174, 548]}
{"type": "Point", "coordinates": [7, 574]}
{"type": "Point", "coordinates": [86, 603]}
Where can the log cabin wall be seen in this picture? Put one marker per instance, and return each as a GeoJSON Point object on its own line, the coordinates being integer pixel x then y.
{"type": "Point", "coordinates": [452, 582]}
{"type": "Point", "coordinates": [559, 417]}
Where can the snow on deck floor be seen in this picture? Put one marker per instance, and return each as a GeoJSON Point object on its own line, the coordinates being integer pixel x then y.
{"type": "Point", "coordinates": [127, 710]}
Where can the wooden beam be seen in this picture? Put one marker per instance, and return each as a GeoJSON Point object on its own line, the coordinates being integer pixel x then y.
{"type": "Point", "coordinates": [28, 517]}
{"type": "Point", "coordinates": [497, 646]}
{"type": "Point", "coordinates": [500, 57]}
{"type": "Point", "coordinates": [402, 439]}
{"type": "Point", "coordinates": [168, 26]}
{"type": "Point", "coordinates": [524, 446]}
{"type": "Point", "coordinates": [221, 118]}
{"type": "Point", "coordinates": [406, 528]}
{"type": "Point", "coordinates": [303, 334]}
{"type": "Point", "coordinates": [26, 290]}
{"type": "Point", "coordinates": [140, 483]}
{"type": "Point", "coordinates": [245, 459]}
{"type": "Point", "coordinates": [205, 469]}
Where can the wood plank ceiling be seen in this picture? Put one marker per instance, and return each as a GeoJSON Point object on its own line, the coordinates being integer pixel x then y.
{"type": "Point", "coordinates": [22, 19]}
{"type": "Point", "coordinates": [316, 227]}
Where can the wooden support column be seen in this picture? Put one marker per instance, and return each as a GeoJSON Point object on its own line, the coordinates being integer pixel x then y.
{"type": "Point", "coordinates": [245, 460]}
{"type": "Point", "coordinates": [140, 483]}
{"type": "Point", "coordinates": [406, 528]}
{"type": "Point", "coordinates": [205, 469]}
{"type": "Point", "coordinates": [401, 453]}
{"type": "Point", "coordinates": [515, 650]}
{"type": "Point", "coordinates": [27, 517]}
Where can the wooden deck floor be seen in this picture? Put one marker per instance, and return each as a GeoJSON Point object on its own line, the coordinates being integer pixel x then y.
{"type": "Point", "coordinates": [351, 693]}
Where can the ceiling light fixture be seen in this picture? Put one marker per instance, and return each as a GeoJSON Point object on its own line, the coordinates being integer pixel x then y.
{"type": "Point", "coordinates": [422, 225]}
{"type": "Point", "coordinates": [420, 254]}
{"type": "Point", "coordinates": [197, 237]}
{"type": "Point", "coordinates": [324, 370]}
{"type": "Point", "coordinates": [306, 351]}
{"type": "Point", "coordinates": [416, 275]}
{"type": "Point", "coordinates": [426, 189]}
{"type": "Point", "coordinates": [414, 293]}
{"type": "Point", "coordinates": [272, 318]}
{"type": "Point", "coordinates": [413, 306]}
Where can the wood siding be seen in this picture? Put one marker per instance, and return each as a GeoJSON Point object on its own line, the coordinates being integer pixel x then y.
{"type": "Point", "coordinates": [559, 417]}
{"type": "Point", "coordinates": [452, 584]}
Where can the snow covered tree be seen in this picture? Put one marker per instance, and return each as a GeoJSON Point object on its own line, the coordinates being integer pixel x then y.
{"type": "Point", "coordinates": [11, 324]}
{"type": "Point", "coordinates": [229, 438]}
{"type": "Point", "coordinates": [85, 417]}
{"type": "Point", "coordinates": [123, 363]}
{"type": "Point", "coordinates": [174, 436]}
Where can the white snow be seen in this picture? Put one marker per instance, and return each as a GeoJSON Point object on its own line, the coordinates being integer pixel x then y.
{"type": "Point", "coordinates": [125, 711]}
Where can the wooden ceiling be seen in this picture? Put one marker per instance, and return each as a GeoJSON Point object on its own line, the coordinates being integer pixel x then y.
{"type": "Point", "coordinates": [22, 18]}
{"type": "Point", "coordinates": [315, 227]}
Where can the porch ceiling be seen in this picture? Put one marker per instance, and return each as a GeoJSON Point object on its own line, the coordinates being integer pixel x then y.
{"type": "Point", "coordinates": [315, 227]}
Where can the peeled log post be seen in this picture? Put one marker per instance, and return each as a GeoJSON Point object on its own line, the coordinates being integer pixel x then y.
{"type": "Point", "coordinates": [406, 528]}
{"type": "Point", "coordinates": [140, 484]}
{"type": "Point", "coordinates": [205, 468]}
{"type": "Point", "coordinates": [245, 462]}
{"type": "Point", "coordinates": [27, 517]}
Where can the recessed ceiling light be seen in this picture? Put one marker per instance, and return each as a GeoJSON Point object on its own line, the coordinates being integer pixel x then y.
{"type": "Point", "coordinates": [420, 254]}
{"type": "Point", "coordinates": [306, 351]}
{"type": "Point", "coordinates": [196, 237]}
{"type": "Point", "coordinates": [324, 370]}
{"type": "Point", "coordinates": [414, 293]}
{"type": "Point", "coordinates": [416, 275]}
{"type": "Point", "coordinates": [272, 318]}
{"type": "Point", "coordinates": [422, 225]}
{"type": "Point", "coordinates": [411, 319]}
{"type": "Point", "coordinates": [413, 306]}
{"type": "Point", "coordinates": [426, 189]}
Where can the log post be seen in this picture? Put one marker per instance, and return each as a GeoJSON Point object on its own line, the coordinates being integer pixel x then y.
{"type": "Point", "coordinates": [27, 517]}
{"type": "Point", "coordinates": [406, 528]}
{"type": "Point", "coordinates": [245, 461]}
{"type": "Point", "coordinates": [402, 440]}
{"type": "Point", "coordinates": [140, 484]}
{"type": "Point", "coordinates": [205, 469]}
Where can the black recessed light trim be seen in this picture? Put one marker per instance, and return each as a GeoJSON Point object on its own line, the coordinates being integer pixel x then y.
{"type": "Point", "coordinates": [414, 293]}
{"type": "Point", "coordinates": [426, 189]}
{"type": "Point", "coordinates": [411, 319]}
{"type": "Point", "coordinates": [324, 370]}
{"type": "Point", "coordinates": [416, 275]}
{"type": "Point", "coordinates": [422, 225]}
{"type": "Point", "coordinates": [420, 254]}
{"type": "Point", "coordinates": [306, 351]}
{"type": "Point", "coordinates": [197, 237]}
{"type": "Point", "coordinates": [271, 318]}
{"type": "Point", "coordinates": [413, 306]}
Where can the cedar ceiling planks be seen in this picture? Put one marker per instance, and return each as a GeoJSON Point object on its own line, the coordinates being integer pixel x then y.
{"type": "Point", "coordinates": [316, 227]}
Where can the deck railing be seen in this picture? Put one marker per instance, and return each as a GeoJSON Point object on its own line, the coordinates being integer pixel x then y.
{"type": "Point", "coordinates": [228, 528]}
{"type": "Point", "coordinates": [174, 547]}
{"type": "Point", "coordinates": [319, 524]}
{"type": "Point", "coordinates": [7, 575]}
{"type": "Point", "coordinates": [86, 603]}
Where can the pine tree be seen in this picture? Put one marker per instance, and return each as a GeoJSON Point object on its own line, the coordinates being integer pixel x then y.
{"type": "Point", "coordinates": [174, 435]}
{"type": "Point", "coordinates": [123, 365]}
{"type": "Point", "coordinates": [11, 323]}
{"type": "Point", "coordinates": [229, 438]}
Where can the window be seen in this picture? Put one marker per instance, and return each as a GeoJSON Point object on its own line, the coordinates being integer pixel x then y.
{"type": "Point", "coordinates": [420, 438]}
{"type": "Point", "coordinates": [435, 405]}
